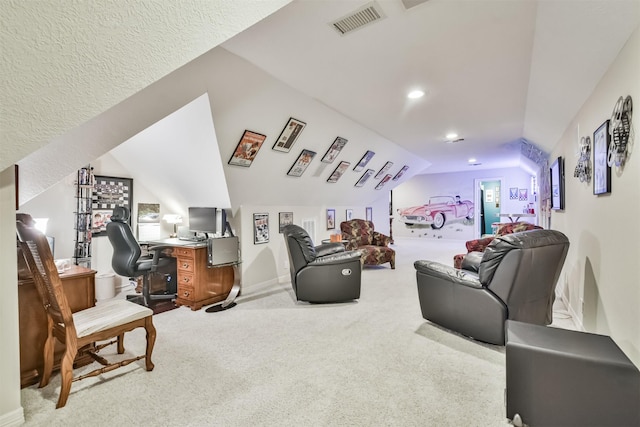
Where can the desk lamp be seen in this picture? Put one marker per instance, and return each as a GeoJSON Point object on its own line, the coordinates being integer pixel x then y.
{"type": "Point", "coordinates": [174, 219]}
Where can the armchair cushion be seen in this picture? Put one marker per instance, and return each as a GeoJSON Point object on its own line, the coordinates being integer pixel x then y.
{"type": "Point", "coordinates": [359, 234]}
{"type": "Point", "coordinates": [479, 245]}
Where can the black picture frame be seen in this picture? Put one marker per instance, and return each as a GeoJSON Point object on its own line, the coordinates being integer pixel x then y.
{"type": "Point", "coordinates": [247, 148]}
{"type": "Point", "coordinates": [334, 150]}
{"type": "Point", "coordinates": [363, 161]}
{"type": "Point", "coordinates": [290, 133]}
{"type": "Point", "coordinates": [601, 168]}
{"type": "Point", "coordinates": [338, 172]}
{"type": "Point", "coordinates": [384, 169]}
{"type": "Point", "coordinates": [109, 192]}
{"type": "Point", "coordinates": [302, 162]}
{"type": "Point", "coordinates": [284, 219]}
{"type": "Point", "coordinates": [365, 176]}
{"type": "Point", "coordinates": [260, 228]}
{"type": "Point", "coordinates": [331, 219]}
{"type": "Point", "coordinates": [556, 184]}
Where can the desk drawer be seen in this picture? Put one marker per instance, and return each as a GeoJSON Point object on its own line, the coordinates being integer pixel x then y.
{"type": "Point", "coordinates": [186, 279]}
{"type": "Point", "coordinates": [183, 253]}
{"type": "Point", "coordinates": [186, 292]}
{"type": "Point", "coordinates": [186, 264]}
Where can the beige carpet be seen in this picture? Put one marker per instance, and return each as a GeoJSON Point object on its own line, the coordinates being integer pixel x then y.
{"type": "Point", "coordinates": [270, 361]}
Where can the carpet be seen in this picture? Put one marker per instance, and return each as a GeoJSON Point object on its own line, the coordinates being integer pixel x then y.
{"type": "Point", "coordinates": [272, 361]}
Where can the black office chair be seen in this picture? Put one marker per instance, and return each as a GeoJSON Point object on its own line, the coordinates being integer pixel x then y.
{"type": "Point", "coordinates": [127, 260]}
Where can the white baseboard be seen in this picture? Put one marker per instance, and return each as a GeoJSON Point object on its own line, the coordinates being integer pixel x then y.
{"type": "Point", "coordinates": [574, 316]}
{"type": "Point", "coordinates": [13, 418]}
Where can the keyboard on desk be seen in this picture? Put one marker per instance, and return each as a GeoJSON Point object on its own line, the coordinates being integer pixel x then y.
{"type": "Point", "coordinates": [192, 238]}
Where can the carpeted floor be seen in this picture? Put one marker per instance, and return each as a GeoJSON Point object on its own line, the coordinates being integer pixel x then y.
{"type": "Point", "coordinates": [270, 361]}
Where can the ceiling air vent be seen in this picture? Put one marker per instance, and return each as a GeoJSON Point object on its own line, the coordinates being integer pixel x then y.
{"type": "Point", "coordinates": [366, 15]}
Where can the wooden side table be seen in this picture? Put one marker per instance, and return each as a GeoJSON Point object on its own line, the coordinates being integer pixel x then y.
{"type": "Point", "coordinates": [79, 287]}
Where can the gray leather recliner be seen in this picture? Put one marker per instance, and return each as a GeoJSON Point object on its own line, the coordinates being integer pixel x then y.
{"type": "Point", "coordinates": [324, 273]}
{"type": "Point", "coordinates": [514, 278]}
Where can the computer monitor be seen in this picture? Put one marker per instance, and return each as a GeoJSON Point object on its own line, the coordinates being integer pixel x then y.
{"type": "Point", "coordinates": [202, 220]}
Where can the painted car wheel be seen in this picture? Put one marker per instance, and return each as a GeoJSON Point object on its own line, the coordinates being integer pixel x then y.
{"type": "Point", "coordinates": [470, 214]}
{"type": "Point", "coordinates": [438, 221]}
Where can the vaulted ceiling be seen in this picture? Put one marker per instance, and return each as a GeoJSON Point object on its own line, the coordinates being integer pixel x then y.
{"type": "Point", "coordinates": [495, 72]}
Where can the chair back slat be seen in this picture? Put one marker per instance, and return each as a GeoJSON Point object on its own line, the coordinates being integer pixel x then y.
{"type": "Point", "coordinates": [37, 254]}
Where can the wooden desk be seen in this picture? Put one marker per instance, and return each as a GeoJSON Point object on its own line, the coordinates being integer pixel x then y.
{"type": "Point", "coordinates": [79, 287]}
{"type": "Point", "coordinates": [198, 284]}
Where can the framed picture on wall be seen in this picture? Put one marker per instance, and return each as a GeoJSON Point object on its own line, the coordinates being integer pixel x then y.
{"type": "Point", "coordinates": [331, 219]}
{"type": "Point", "coordinates": [368, 214]}
{"type": "Point", "coordinates": [365, 176]}
{"type": "Point", "coordinates": [260, 228]}
{"type": "Point", "coordinates": [383, 181]}
{"type": "Point", "coordinates": [601, 168]}
{"type": "Point", "coordinates": [384, 169]}
{"type": "Point", "coordinates": [337, 173]}
{"type": "Point", "coordinates": [556, 182]}
{"type": "Point", "coordinates": [301, 163]}
{"type": "Point", "coordinates": [400, 173]}
{"type": "Point", "coordinates": [284, 219]}
{"type": "Point", "coordinates": [348, 214]}
{"type": "Point", "coordinates": [247, 148]}
{"type": "Point", "coordinates": [289, 135]}
{"type": "Point", "coordinates": [363, 161]}
{"type": "Point", "coordinates": [109, 192]}
{"type": "Point", "coordinates": [334, 150]}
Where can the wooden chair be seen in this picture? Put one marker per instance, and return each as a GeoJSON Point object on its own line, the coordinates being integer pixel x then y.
{"type": "Point", "coordinates": [81, 330]}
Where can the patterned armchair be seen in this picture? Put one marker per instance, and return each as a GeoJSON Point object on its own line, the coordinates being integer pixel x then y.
{"type": "Point", "coordinates": [360, 234]}
{"type": "Point", "coordinates": [478, 245]}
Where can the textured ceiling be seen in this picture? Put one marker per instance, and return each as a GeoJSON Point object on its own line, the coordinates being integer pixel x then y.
{"type": "Point", "coordinates": [66, 62]}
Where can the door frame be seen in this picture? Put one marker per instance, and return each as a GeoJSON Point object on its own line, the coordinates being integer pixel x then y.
{"type": "Point", "coordinates": [477, 202]}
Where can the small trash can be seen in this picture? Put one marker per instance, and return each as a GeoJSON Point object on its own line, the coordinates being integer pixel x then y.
{"type": "Point", "coordinates": [105, 286]}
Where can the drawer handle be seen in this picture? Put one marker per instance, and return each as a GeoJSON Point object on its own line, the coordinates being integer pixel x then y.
{"type": "Point", "coordinates": [185, 280]}
{"type": "Point", "coordinates": [185, 265]}
{"type": "Point", "coordinates": [185, 293]}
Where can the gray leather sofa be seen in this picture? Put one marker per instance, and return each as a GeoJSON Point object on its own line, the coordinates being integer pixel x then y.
{"type": "Point", "coordinates": [514, 278]}
{"type": "Point", "coordinates": [323, 273]}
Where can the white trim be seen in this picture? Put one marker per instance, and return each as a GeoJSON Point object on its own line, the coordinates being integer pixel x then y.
{"type": "Point", "coordinates": [13, 418]}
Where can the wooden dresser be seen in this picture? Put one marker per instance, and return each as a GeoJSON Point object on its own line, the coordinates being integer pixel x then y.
{"type": "Point", "coordinates": [79, 287]}
{"type": "Point", "coordinates": [199, 284]}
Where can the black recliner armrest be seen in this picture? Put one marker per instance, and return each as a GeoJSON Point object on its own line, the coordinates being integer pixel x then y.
{"type": "Point", "coordinates": [329, 249]}
{"type": "Point", "coordinates": [337, 258]}
{"type": "Point", "coordinates": [443, 271]}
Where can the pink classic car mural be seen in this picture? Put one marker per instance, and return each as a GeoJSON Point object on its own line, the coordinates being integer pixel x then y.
{"type": "Point", "coordinates": [437, 212]}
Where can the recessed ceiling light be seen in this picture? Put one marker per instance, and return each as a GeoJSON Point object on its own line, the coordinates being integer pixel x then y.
{"type": "Point", "coordinates": [472, 160]}
{"type": "Point", "coordinates": [414, 94]}
{"type": "Point", "coordinates": [451, 136]}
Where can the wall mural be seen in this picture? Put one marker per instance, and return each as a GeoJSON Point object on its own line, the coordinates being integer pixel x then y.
{"type": "Point", "coordinates": [442, 216]}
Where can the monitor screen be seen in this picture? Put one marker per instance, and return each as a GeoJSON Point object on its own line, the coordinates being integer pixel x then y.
{"type": "Point", "coordinates": [202, 220]}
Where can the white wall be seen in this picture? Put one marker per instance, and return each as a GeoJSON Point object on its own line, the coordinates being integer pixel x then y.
{"type": "Point", "coordinates": [600, 273]}
{"type": "Point", "coordinates": [267, 262]}
{"type": "Point", "coordinates": [10, 409]}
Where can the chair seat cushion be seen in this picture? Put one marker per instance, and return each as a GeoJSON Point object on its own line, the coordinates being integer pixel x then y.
{"type": "Point", "coordinates": [108, 314]}
{"type": "Point", "coordinates": [376, 255]}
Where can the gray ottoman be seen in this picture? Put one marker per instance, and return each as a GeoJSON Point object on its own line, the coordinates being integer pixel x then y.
{"type": "Point", "coordinates": [557, 377]}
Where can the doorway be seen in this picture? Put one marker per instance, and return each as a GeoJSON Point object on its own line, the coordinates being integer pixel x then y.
{"type": "Point", "coordinates": [488, 195]}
